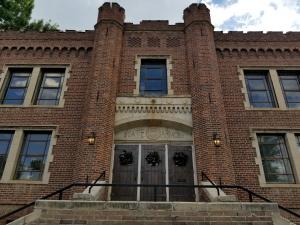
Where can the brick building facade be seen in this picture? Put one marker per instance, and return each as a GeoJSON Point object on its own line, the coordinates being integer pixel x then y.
{"type": "Point", "coordinates": [154, 97]}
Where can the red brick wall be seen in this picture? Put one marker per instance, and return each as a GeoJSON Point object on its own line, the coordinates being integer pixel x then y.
{"type": "Point", "coordinates": [241, 50]}
{"type": "Point", "coordinates": [162, 40]}
{"type": "Point", "coordinates": [48, 49]}
{"type": "Point", "coordinates": [102, 68]}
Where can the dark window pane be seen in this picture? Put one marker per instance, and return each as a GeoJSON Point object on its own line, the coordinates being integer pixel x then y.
{"type": "Point", "coordinates": [5, 141]}
{"type": "Point", "coordinates": [14, 94]}
{"type": "Point", "coordinates": [39, 136]}
{"type": "Point", "coordinates": [290, 84]}
{"type": "Point", "coordinates": [19, 82]}
{"type": "Point", "coordinates": [49, 94]}
{"type": "Point", "coordinates": [4, 146]}
{"type": "Point", "coordinates": [47, 102]}
{"type": "Point", "coordinates": [154, 73]}
{"type": "Point", "coordinates": [256, 84]}
{"type": "Point", "coordinates": [259, 96]}
{"type": "Point", "coordinates": [32, 163]}
{"type": "Point", "coordinates": [2, 164]}
{"type": "Point", "coordinates": [36, 148]}
{"type": "Point", "coordinates": [271, 150]}
{"type": "Point", "coordinates": [155, 85]}
{"type": "Point", "coordinates": [34, 176]}
{"type": "Point", "coordinates": [294, 105]}
{"type": "Point", "coordinates": [4, 136]}
{"type": "Point", "coordinates": [262, 105]}
{"type": "Point", "coordinates": [292, 96]}
{"type": "Point", "coordinates": [52, 82]}
{"type": "Point", "coordinates": [153, 78]}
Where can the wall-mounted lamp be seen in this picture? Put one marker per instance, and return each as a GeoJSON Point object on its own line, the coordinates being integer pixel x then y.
{"type": "Point", "coordinates": [91, 138]}
{"type": "Point", "coordinates": [216, 140]}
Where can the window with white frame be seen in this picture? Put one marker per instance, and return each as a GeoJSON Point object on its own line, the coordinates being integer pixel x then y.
{"type": "Point", "coordinates": [260, 90]}
{"type": "Point", "coordinates": [153, 77]}
{"type": "Point", "coordinates": [275, 159]}
{"type": "Point", "coordinates": [33, 155]}
{"type": "Point", "coordinates": [290, 84]}
{"type": "Point", "coordinates": [24, 155]}
{"type": "Point", "coordinates": [5, 142]}
{"type": "Point", "coordinates": [16, 88]}
{"type": "Point", "coordinates": [50, 87]}
{"type": "Point", "coordinates": [271, 88]}
{"type": "Point", "coordinates": [37, 85]}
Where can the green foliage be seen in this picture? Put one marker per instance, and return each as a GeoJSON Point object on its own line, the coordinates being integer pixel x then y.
{"type": "Point", "coordinates": [16, 15]}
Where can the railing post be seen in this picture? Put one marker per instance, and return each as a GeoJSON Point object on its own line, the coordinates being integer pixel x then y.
{"type": "Point", "coordinates": [250, 197]}
{"type": "Point", "coordinates": [60, 196]}
{"type": "Point", "coordinates": [218, 190]}
{"type": "Point", "coordinates": [87, 181]}
{"type": "Point", "coordinates": [155, 193]}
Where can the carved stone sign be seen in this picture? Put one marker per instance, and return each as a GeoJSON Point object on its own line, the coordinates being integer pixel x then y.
{"type": "Point", "coordinates": [153, 134]}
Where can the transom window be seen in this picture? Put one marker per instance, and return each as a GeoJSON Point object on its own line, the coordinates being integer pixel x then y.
{"type": "Point", "coordinates": [17, 87]}
{"type": "Point", "coordinates": [50, 87]}
{"type": "Point", "coordinates": [291, 87]}
{"type": "Point", "coordinates": [260, 91]}
{"type": "Point", "coordinates": [33, 155]}
{"type": "Point", "coordinates": [5, 141]}
{"type": "Point", "coordinates": [275, 159]}
{"type": "Point", "coordinates": [153, 78]}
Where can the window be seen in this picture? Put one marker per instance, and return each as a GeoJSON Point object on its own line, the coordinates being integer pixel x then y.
{"type": "Point", "coordinates": [153, 77]}
{"type": "Point", "coordinates": [275, 159]}
{"type": "Point", "coordinates": [17, 87]}
{"type": "Point", "coordinates": [5, 141]}
{"type": "Point", "coordinates": [50, 87]}
{"type": "Point", "coordinates": [33, 156]}
{"type": "Point", "coordinates": [260, 91]}
{"type": "Point", "coordinates": [291, 87]}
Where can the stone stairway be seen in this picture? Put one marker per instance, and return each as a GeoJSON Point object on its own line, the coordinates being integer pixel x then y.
{"type": "Point", "coordinates": [150, 213]}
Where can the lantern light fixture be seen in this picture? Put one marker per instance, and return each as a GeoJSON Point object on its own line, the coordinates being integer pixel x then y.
{"type": "Point", "coordinates": [91, 138]}
{"type": "Point", "coordinates": [216, 140]}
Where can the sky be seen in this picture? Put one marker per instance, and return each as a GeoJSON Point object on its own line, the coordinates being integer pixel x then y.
{"type": "Point", "coordinates": [227, 15]}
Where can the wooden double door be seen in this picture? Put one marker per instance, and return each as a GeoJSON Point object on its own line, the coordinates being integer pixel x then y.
{"type": "Point", "coordinates": [156, 165]}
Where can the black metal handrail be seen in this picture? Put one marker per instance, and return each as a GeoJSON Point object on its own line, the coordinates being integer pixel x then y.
{"type": "Point", "coordinates": [60, 192]}
{"type": "Point", "coordinates": [102, 175]}
{"type": "Point", "coordinates": [204, 176]}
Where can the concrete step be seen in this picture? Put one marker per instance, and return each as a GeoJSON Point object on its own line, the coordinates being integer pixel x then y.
{"type": "Point", "coordinates": [147, 213]}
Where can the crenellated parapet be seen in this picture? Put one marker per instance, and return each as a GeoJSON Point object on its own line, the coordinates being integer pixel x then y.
{"type": "Point", "coordinates": [111, 12]}
{"type": "Point", "coordinates": [49, 51]}
{"type": "Point", "coordinates": [68, 35]}
{"type": "Point", "coordinates": [258, 52]}
{"type": "Point", "coordinates": [257, 36]}
{"type": "Point", "coordinates": [196, 12]}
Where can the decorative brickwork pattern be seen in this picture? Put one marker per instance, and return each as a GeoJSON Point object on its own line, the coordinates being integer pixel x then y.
{"type": "Point", "coordinates": [173, 42]}
{"type": "Point", "coordinates": [153, 42]}
{"type": "Point", "coordinates": [134, 42]}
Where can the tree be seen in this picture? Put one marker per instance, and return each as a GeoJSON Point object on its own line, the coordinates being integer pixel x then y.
{"type": "Point", "coordinates": [16, 15]}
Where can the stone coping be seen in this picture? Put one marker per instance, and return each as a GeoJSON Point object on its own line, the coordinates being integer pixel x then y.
{"type": "Point", "coordinates": [166, 206]}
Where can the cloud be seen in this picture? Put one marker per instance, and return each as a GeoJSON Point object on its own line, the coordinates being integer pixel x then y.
{"type": "Point", "coordinates": [222, 3]}
{"type": "Point", "coordinates": [264, 15]}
